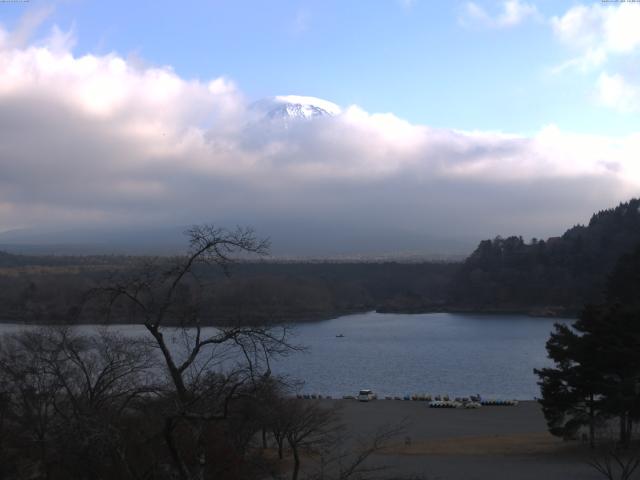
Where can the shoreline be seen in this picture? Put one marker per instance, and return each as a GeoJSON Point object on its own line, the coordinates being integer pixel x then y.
{"type": "Point", "coordinates": [533, 313]}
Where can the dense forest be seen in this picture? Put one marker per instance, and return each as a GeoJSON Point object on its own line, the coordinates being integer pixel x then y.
{"type": "Point", "coordinates": [597, 363]}
{"type": "Point", "coordinates": [51, 290]}
{"type": "Point", "coordinates": [543, 277]}
{"type": "Point", "coordinates": [557, 276]}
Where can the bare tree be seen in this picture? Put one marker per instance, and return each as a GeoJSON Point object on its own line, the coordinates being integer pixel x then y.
{"type": "Point", "coordinates": [102, 375]}
{"type": "Point", "coordinates": [347, 458]}
{"type": "Point", "coordinates": [306, 426]}
{"type": "Point", "coordinates": [161, 297]}
{"type": "Point", "coordinates": [278, 423]}
{"type": "Point", "coordinates": [30, 397]}
{"type": "Point", "coordinates": [66, 396]}
{"type": "Point", "coordinates": [7, 452]}
{"type": "Point", "coordinates": [616, 464]}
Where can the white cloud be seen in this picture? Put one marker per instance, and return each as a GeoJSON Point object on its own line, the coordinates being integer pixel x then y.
{"type": "Point", "coordinates": [511, 14]}
{"type": "Point", "coordinates": [93, 139]}
{"type": "Point", "coordinates": [596, 34]}
{"type": "Point", "coordinates": [580, 26]}
{"type": "Point", "coordinates": [27, 26]}
{"type": "Point", "coordinates": [615, 92]}
{"type": "Point", "coordinates": [598, 31]}
{"type": "Point", "coordinates": [611, 29]}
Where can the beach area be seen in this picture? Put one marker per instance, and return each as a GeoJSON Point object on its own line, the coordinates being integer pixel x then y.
{"type": "Point", "coordinates": [492, 442]}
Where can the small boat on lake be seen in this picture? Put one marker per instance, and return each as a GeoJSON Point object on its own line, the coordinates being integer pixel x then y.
{"type": "Point", "coordinates": [340, 335]}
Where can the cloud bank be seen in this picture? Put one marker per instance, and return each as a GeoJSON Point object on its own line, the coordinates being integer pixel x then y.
{"type": "Point", "coordinates": [96, 140]}
{"type": "Point", "coordinates": [599, 35]}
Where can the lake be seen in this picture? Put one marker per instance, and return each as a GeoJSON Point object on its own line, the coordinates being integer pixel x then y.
{"type": "Point", "coordinates": [436, 353]}
{"type": "Point", "coordinates": [398, 354]}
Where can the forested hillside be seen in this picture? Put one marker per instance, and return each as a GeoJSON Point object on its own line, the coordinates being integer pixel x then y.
{"type": "Point", "coordinates": [556, 276]}
{"type": "Point", "coordinates": [51, 289]}
{"type": "Point", "coordinates": [553, 277]}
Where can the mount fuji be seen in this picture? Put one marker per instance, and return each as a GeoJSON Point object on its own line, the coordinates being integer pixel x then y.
{"type": "Point", "coordinates": [288, 108]}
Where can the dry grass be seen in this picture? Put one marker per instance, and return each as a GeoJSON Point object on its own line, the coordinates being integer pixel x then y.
{"type": "Point", "coordinates": [514, 444]}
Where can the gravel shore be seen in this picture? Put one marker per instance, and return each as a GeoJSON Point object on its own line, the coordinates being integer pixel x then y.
{"type": "Point", "coordinates": [494, 443]}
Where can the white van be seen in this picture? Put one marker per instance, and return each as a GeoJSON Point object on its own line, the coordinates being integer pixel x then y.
{"type": "Point", "coordinates": [366, 395]}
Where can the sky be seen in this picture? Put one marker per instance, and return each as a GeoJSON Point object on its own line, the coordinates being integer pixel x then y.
{"type": "Point", "coordinates": [458, 119]}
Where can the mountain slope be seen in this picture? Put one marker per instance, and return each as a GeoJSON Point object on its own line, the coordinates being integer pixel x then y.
{"type": "Point", "coordinates": [556, 276]}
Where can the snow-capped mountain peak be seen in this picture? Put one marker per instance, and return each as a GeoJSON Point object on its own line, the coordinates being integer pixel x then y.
{"type": "Point", "coordinates": [308, 105]}
{"type": "Point", "coordinates": [295, 107]}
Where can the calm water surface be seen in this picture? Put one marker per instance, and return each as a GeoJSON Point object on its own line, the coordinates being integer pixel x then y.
{"type": "Point", "coordinates": [394, 354]}
{"type": "Point", "coordinates": [437, 353]}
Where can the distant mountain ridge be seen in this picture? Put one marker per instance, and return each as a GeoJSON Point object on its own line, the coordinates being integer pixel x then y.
{"type": "Point", "coordinates": [557, 276]}
{"type": "Point", "coordinates": [554, 277]}
{"type": "Point", "coordinates": [296, 239]}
